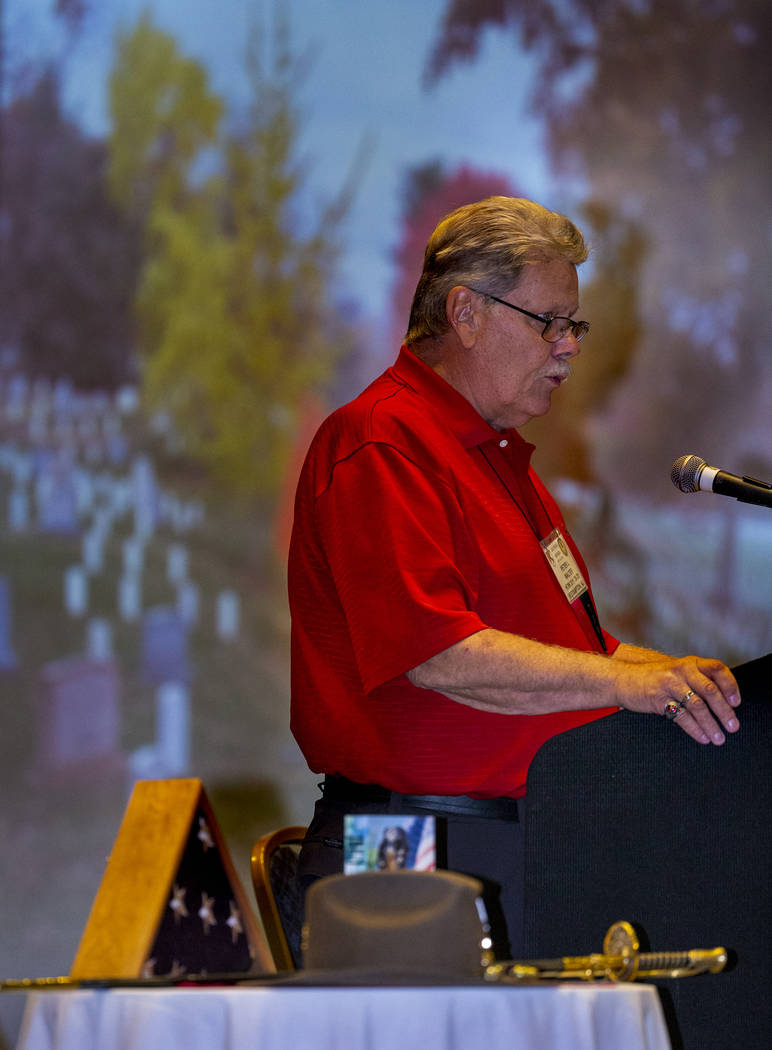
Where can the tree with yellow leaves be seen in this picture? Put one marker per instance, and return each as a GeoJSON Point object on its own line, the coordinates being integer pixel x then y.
{"type": "Point", "coordinates": [235, 324]}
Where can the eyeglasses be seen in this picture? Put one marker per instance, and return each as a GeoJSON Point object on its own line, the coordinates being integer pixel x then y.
{"type": "Point", "coordinates": [555, 328]}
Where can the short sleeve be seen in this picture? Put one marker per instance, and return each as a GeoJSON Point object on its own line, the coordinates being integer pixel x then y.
{"type": "Point", "coordinates": [403, 562]}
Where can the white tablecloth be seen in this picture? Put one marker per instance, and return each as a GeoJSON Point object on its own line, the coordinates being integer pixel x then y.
{"type": "Point", "coordinates": [566, 1017]}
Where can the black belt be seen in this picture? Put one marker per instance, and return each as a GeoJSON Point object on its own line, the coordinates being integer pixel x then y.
{"type": "Point", "coordinates": [338, 789]}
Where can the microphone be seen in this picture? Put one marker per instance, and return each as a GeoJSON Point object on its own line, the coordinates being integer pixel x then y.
{"type": "Point", "coordinates": [692, 474]}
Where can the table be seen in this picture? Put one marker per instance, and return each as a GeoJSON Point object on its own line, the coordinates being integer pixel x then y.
{"type": "Point", "coordinates": [576, 1016]}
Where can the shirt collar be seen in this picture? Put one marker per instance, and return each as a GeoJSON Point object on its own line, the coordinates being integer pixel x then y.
{"type": "Point", "coordinates": [456, 412]}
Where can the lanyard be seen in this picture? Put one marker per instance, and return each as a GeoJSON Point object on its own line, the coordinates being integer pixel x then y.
{"type": "Point", "coordinates": [558, 554]}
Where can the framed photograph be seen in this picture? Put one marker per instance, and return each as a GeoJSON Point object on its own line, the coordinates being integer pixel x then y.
{"type": "Point", "coordinates": [388, 842]}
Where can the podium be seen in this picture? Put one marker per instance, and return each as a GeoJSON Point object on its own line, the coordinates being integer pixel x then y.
{"type": "Point", "coordinates": [628, 818]}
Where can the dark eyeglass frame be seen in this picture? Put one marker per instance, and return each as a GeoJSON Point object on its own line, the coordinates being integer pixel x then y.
{"type": "Point", "coordinates": [578, 329]}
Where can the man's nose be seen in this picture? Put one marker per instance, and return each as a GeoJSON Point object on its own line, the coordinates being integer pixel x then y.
{"type": "Point", "coordinates": [567, 346]}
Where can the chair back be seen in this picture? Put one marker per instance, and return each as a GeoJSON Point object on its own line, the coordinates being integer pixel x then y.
{"type": "Point", "coordinates": [274, 866]}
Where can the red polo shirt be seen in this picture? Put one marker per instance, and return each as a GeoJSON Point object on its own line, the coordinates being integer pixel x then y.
{"type": "Point", "coordinates": [416, 525]}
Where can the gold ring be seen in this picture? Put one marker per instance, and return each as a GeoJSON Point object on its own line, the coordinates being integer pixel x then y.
{"type": "Point", "coordinates": [687, 697]}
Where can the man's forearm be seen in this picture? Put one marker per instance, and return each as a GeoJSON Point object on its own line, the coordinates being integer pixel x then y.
{"type": "Point", "coordinates": [636, 654]}
{"type": "Point", "coordinates": [509, 674]}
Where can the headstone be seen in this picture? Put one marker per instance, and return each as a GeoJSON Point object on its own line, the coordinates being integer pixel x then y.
{"type": "Point", "coordinates": [112, 494]}
{"type": "Point", "coordinates": [177, 563]}
{"type": "Point", "coordinates": [127, 400]}
{"type": "Point", "coordinates": [116, 445]}
{"type": "Point", "coordinates": [23, 468]}
{"type": "Point", "coordinates": [184, 516]}
{"type": "Point", "coordinates": [161, 424]}
{"type": "Point", "coordinates": [99, 640]}
{"type": "Point", "coordinates": [8, 659]}
{"type": "Point", "coordinates": [16, 398]}
{"type": "Point", "coordinates": [79, 712]}
{"type": "Point", "coordinates": [173, 728]}
{"type": "Point", "coordinates": [84, 490]}
{"type": "Point", "coordinates": [42, 461]}
{"type": "Point", "coordinates": [57, 501]}
{"type": "Point", "coordinates": [76, 590]}
{"type": "Point", "coordinates": [63, 395]}
{"type": "Point", "coordinates": [92, 549]}
{"type": "Point", "coordinates": [227, 615]}
{"type": "Point", "coordinates": [164, 655]}
{"type": "Point", "coordinates": [187, 603]}
{"type": "Point", "coordinates": [166, 508]}
{"type": "Point", "coordinates": [117, 449]}
{"type": "Point", "coordinates": [145, 496]}
{"type": "Point", "coordinates": [129, 597]}
{"type": "Point", "coordinates": [102, 522]}
{"type": "Point", "coordinates": [121, 493]}
{"type": "Point", "coordinates": [194, 516]}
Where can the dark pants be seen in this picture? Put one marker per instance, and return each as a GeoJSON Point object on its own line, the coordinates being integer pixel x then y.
{"type": "Point", "coordinates": [490, 850]}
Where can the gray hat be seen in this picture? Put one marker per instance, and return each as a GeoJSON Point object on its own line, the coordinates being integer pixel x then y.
{"type": "Point", "coordinates": [428, 925]}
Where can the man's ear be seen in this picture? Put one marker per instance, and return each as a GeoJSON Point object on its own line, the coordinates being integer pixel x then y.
{"type": "Point", "coordinates": [462, 310]}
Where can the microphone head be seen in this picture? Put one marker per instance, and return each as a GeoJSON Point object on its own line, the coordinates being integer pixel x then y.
{"type": "Point", "coordinates": [685, 473]}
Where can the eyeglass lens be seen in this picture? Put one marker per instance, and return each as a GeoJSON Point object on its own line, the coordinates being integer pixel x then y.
{"type": "Point", "coordinates": [559, 327]}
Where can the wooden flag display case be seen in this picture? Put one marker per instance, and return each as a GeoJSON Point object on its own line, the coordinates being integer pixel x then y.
{"type": "Point", "coordinates": [170, 901]}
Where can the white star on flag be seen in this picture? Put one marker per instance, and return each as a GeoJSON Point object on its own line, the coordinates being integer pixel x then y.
{"type": "Point", "coordinates": [177, 903]}
{"type": "Point", "coordinates": [205, 913]}
{"type": "Point", "coordinates": [205, 835]}
{"type": "Point", "coordinates": [234, 921]}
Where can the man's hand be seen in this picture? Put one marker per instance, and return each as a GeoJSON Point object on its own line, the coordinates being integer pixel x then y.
{"type": "Point", "coordinates": [699, 695]}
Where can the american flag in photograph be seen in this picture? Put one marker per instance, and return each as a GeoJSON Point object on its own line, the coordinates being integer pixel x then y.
{"type": "Point", "coordinates": [424, 831]}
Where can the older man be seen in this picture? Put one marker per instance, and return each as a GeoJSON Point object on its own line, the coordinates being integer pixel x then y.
{"type": "Point", "coordinates": [443, 626]}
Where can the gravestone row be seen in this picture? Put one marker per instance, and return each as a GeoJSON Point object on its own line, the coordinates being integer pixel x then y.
{"type": "Point", "coordinates": [64, 493]}
{"type": "Point", "coordinates": [79, 696]}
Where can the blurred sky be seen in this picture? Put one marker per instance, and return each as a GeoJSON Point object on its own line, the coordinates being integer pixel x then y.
{"type": "Point", "coordinates": [364, 84]}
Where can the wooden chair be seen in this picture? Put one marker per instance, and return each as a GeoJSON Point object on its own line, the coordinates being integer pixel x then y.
{"type": "Point", "coordinates": [279, 897]}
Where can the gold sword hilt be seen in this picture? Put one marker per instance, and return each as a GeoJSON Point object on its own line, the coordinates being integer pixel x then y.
{"type": "Point", "coordinates": [622, 940]}
{"type": "Point", "coordinates": [621, 960]}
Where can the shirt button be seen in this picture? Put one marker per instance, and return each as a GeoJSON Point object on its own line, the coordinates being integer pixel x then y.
{"type": "Point", "coordinates": [503, 443]}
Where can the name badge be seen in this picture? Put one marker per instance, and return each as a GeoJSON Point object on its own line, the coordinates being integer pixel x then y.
{"type": "Point", "coordinates": [563, 564]}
